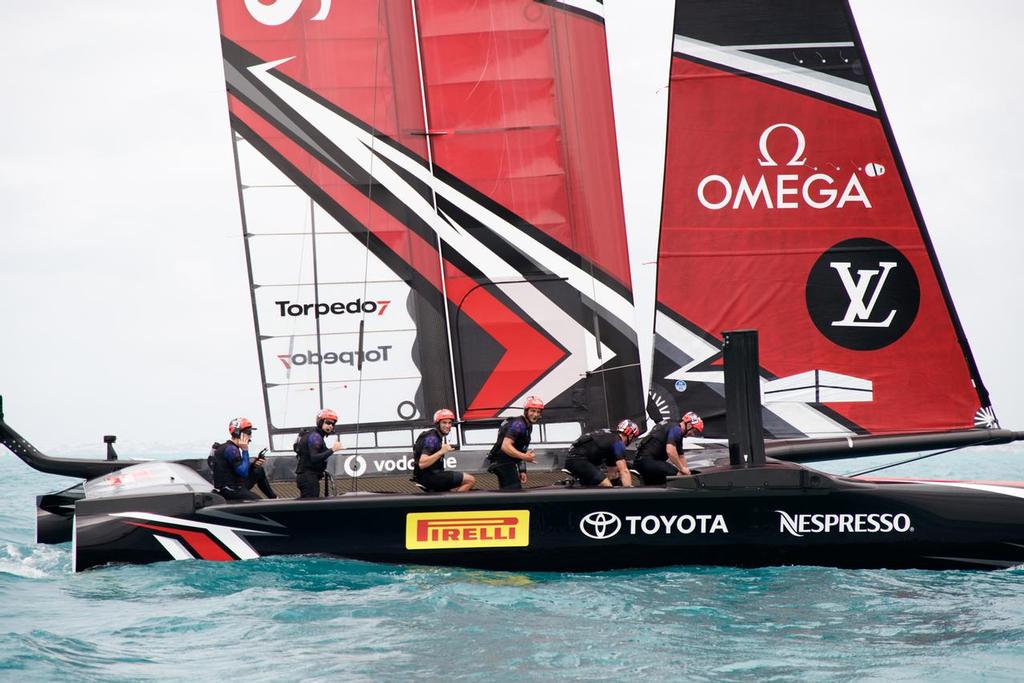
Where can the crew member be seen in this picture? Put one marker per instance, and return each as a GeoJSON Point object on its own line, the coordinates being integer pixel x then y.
{"type": "Point", "coordinates": [428, 457]}
{"type": "Point", "coordinates": [313, 452]}
{"type": "Point", "coordinates": [511, 450]}
{"type": "Point", "coordinates": [603, 447]}
{"type": "Point", "coordinates": [233, 472]}
{"type": "Point", "coordinates": [660, 454]}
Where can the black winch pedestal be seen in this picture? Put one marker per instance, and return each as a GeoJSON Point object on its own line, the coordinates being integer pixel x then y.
{"type": "Point", "coordinates": [743, 399]}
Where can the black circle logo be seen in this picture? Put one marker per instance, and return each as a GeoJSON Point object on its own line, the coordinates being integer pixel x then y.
{"type": "Point", "coordinates": [863, 294]}
{"type": "Point", "coordinates": [407, 410]}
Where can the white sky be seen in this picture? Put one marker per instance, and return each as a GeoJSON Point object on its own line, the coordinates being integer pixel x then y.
{"type": "Point", "coordinates": [123, 295]}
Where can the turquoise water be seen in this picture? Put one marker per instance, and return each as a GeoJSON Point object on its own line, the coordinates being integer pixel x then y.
{"type": "Point", "coordinates": [320, 618]}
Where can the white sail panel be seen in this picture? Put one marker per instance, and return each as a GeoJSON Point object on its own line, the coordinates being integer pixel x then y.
{"type": "Point", "coordinates": [335, 308]}
{"type": "Point", "coordinates": [336, 324]}
{"type": "Point", "coordinates": [340, 358]}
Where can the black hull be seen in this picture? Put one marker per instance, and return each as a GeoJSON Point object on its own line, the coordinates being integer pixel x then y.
{"type": "Point", "coordinates": [774, 515]}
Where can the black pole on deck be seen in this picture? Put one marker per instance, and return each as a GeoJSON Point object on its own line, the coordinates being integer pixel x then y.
{"type": "Point", "coordinates": [109, 439]}
{"type": "Point", "coordinates": [743, 398]}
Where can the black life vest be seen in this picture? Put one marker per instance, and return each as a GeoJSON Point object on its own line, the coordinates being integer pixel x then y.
{"type": "Point", "coordinates": [417, 451]}
{"type": "Point", "coordinates": [306, 461]}
{"type": "Point", "coordinates": [653, 445]}
{"type": "Point", "coordinates": [521, 443]}
{"type": "Point", "coordinates": [223, 472]}
{"type": "Point", "coordinates": [300, 438]}
{"type": "Point", "coordinates": [596, 447]}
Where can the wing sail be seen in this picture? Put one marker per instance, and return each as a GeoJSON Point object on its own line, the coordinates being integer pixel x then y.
{"type": "Point", "coordinates": [428, 219]}
{"type": "Point", "coordinates": [787, 209]}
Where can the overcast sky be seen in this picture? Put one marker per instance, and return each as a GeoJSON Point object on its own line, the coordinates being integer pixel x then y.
{"type": "Point", "coordinates": [123, 290]}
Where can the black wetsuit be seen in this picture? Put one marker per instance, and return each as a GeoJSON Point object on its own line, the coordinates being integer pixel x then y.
{"type": "Point", "coordinates": [313, 453]}
{"type": "Point", "coordinates": [434, 477]}
{"type": "Point", "coordinates": [234, 474]}
{"type": "Point", "coordinates": [592, 450]}
{"type": "Point", "coordinates": [651, 459]}
{"type": "Point", "coordinates": [507, 468]}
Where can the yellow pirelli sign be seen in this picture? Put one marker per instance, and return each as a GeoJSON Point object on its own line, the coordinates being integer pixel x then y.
{"type": "Point", "coordinates": [490, 529]}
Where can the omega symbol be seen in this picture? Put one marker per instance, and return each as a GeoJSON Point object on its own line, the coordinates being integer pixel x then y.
{"type": "Point", "coordinates": [766, 158]}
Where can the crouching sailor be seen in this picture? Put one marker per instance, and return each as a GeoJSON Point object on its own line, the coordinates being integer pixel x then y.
{"type": "Point", "coordinates": [428, 457]}
{"type": "Point", "coordinates": [603, 447]}
{"type": "Point", "coordinates": [660, 454]}
{"type": "Point", "coordinates": [233, 472]}
{"type": "Point", "coordinates": [313, 452]}
{"type": "Point", "coordinates": [511, 450]}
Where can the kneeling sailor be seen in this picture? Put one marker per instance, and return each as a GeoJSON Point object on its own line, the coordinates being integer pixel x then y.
{"type": "Point", "coordinates": [428, 457]}
{"type": "Point", "coordinates": [660, 454]}
{"type": "Point", "coordinates": [603, 447]}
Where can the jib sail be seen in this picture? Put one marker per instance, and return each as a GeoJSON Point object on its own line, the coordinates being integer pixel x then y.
{"type": "Point", "coordinates": [432, 213]}
{"type": "Point", "coordinates": [787, 209]}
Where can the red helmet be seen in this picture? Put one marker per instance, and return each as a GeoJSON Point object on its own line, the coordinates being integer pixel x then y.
{"type": "Point", "coordinates": [533, 402]}
{"type": "Point", "coordinates": [239, 425]}
{"type": "Point", "coordinates": [692, 419]}
{"type": "Point", "coordinates": [443, 414]}
{"type": "Point", "coordinates": [326, 414]}
{"type": "Point", "coordinates": [628, 429]}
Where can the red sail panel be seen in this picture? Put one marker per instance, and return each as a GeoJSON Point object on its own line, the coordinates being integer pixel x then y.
{"type": "Point", "coordinates": [785, 211]}
{"type": "Point", "coordinates": [520, 96]}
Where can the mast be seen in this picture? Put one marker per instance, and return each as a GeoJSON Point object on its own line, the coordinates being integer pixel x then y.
{"type": "Point", "coordinates": [433, 198]}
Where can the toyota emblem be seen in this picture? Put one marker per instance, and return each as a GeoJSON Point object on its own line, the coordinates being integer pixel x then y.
{"type": "Point", "coordinates": [600, 525]}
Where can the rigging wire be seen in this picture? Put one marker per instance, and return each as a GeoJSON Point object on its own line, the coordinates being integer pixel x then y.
{"type": "Point", "coordinates": [441, 262]}
{"type": "Point", "coordinates": [920, 457]}
{"type": "Point", "coordinates": [374, 132]}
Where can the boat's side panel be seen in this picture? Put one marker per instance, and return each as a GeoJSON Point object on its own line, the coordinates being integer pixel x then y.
{"type": "Point", "coordinates": [865, 525]}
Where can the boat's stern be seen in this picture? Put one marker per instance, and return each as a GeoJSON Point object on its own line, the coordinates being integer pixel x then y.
{"type": "Point", "coordinates": [114, 519]}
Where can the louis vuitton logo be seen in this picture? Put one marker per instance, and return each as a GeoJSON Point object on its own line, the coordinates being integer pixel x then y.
{"type": "Point", "coordinates": [858, 313]}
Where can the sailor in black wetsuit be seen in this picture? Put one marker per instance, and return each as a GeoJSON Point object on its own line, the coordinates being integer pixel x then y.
{"type": "Point", "coordinates": [660, 454]}
{"type": "Point", "coordinates": [603, 447]}
{"type": "Point", "coordinates": [313, 452]}
{"type": "Point", "coordinates": [233, 472]}
{"type": "Point", "coordinates": [511, 450]}
{"type": "Point", "coordinates": [428, 457]}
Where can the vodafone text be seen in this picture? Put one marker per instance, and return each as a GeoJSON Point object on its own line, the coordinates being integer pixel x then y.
{"type": "Point", "coordinates": [404, 464]}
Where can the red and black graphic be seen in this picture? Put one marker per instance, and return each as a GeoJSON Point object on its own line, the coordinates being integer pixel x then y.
{"type": "Point", "coordinates": [787, 210]}
{"type": "Point", "coordinates": [471, 150]}
{"type": "Point", "coordinates": [187, 539]}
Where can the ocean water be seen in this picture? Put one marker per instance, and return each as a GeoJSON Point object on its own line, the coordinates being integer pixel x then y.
{"type": "Point", "coordinates": [310, 618]}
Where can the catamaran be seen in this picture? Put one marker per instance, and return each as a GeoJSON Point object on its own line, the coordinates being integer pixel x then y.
{"type": "Point", "coordinates": [432, 217]}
